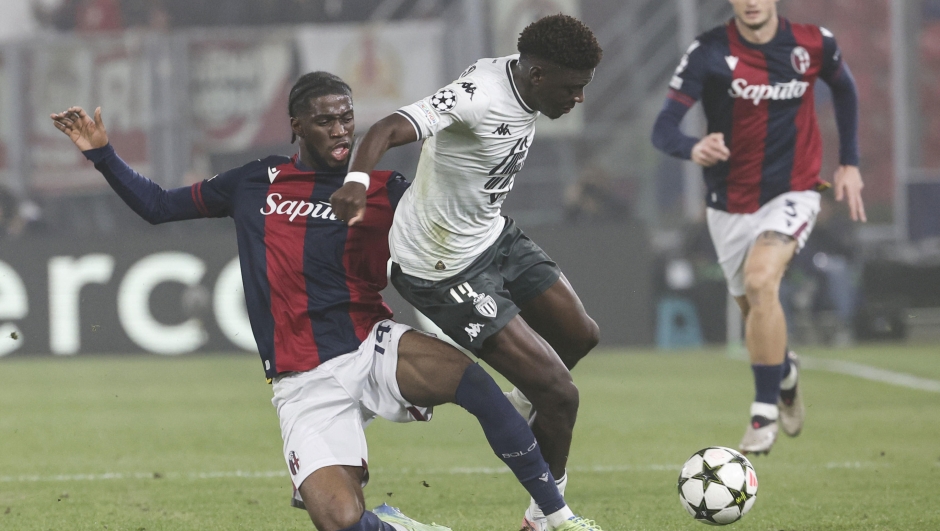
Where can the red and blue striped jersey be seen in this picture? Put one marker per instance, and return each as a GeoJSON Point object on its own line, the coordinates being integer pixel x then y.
{"type": "Point", "coordinates": [761, 98]}
{"type": "Point", "coordinates": [311, 282]}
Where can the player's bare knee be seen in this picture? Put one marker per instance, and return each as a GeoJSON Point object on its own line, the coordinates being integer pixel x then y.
{"type": "Point", "coordinates": [556, 394]}
{"type": "Point", "coordinates": [760, 286]}
{"type": "Point", "coordinates": [590, 337]}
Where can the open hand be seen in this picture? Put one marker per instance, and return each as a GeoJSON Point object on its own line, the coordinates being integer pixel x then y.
{"type": "Point", "coordinates": [80, 128]}
{"type": "Point", "coordinates": [848, 185]}
{"type": "Point", "coordinates": [710, 150]}
{"type": "Point", "coordinates": [349, 202]}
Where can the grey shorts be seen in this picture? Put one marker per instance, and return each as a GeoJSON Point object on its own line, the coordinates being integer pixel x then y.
{"type": "Point", "coordinates": [480, 300]}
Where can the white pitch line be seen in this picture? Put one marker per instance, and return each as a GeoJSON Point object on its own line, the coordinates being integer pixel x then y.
{"type": "Point", "coordinates": [867, 372]}
{"type": "Point", "coordinates": [111, 476]}
{"type": "Point", "coordinates": [142, 475]}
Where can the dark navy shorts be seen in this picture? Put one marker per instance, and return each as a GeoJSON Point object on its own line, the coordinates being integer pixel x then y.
{"type": "Point", "coordinates": [480, 300]}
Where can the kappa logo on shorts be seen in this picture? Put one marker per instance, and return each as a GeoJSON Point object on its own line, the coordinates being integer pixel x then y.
{"type": "Point", "coordinates": [293, 462]}
{"type": "Point", "coordinates": [485, 304]}
{"type": "Point", "coordinates": [473, 330]}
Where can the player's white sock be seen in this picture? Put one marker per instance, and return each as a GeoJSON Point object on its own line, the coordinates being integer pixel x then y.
{"type": "Point", "coordinates": [790, 381]}
{"type": "Point", "coordinates": [768, 411]}
{"type": "Point", "coordinates": [559, 517]}
{"type": "Point", "coordinates": [535, 512]}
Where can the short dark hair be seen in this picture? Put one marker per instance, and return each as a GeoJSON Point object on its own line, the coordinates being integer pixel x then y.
{"type": "Point", "coordinates": [562, 40]}
{"type": "Point", "coordinates": [310, 86]}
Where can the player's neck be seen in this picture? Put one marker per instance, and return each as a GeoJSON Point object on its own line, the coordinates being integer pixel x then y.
{"type": "Point", "coordinates": [522, 85]}
{"type": "Point", "coordinates": [761, 35]}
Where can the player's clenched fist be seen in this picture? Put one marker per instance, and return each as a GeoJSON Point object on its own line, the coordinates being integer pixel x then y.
{"type": "Point", "coordinates": [710, 150]}
{"type": "Point", "coordinates": [80, 128]}
{"type": "Point", "coordinates": [349, 202]}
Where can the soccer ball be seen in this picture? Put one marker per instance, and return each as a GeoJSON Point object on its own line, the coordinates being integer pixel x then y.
{"type": "Point", "coordinates": [717, 485]}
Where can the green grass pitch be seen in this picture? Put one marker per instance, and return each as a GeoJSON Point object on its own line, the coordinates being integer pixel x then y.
{"type": "Point", "coordinates": [150, 443]}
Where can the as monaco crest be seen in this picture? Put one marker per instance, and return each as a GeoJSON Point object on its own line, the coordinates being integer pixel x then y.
{"type": "Point", "coordinates": [800, 60]}
{"type": "Point", "coordinates": [485, 306]}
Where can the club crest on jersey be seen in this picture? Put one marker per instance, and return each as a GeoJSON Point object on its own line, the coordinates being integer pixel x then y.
{"type": "Point", "coordinates": [800, 59]}
{"type": "Point", "coordinates": [444, 100]}
{"type": "Point", "coordinates": [293, 462]}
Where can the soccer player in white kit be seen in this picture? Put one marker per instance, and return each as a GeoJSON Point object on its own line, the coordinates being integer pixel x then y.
{"type": "Point", "coordinates": [456, 258]}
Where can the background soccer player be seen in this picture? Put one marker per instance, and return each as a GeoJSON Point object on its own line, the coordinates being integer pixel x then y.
{"type": "Point", "coordinates": [324, 333]}
{"type": "Point", "coordinates": [762, 157]}
{"type": "Point", "coordinates": [456, 258]}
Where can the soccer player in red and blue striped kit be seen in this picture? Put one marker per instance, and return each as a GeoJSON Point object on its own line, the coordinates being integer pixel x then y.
{"type": "Point", "coordinates": [312, 285]}
{"type": "Point", "coordinates": [762, 157]}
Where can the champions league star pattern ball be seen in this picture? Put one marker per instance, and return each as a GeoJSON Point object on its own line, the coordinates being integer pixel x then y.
{"type": "Point", "coordinates": [444, 100]}
{"type": "Point", "coordinates": [717, 486]}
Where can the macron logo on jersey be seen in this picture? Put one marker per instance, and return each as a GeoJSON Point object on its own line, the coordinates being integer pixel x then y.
{"type": "Point", "coordinates": [732, 62]}
{"type": "Point", "coordinates": [757, 93]}
{"type": "Point", "coordinates": [272, 174]}
{"type": "Point", "coordinates": [295, 209]}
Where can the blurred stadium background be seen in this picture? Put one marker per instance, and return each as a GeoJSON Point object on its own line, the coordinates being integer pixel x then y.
{"type": "Point", "coordinates": [193, 87]}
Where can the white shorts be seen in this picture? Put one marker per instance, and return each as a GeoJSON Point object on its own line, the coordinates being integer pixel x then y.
{"type": "Point", "coordinates": [792, 213]}
{"type": "Point", "coordinates": [324, 411]}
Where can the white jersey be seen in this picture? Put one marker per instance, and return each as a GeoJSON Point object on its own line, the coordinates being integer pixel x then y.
{"type": "Point", "coordinates": [478, 132]}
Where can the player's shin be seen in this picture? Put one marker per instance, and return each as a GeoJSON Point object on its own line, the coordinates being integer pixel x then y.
{"type": "Point", "coordinates": [510, 437]}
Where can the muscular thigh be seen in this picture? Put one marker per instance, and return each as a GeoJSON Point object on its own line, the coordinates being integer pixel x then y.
{"type": "Point", "coordinates": [429, 370]}
{"type": "Point", "coordinates": [558, 315]}
{"type": "Point", "coordinates": [769, 256]}
{"type": "Point", "coordinates": [524, 357]}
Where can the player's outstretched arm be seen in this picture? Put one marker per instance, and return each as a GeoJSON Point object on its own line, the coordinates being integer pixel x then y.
{"type": "Point", "coordinates": [349, 202]}
{"type": "Point", "coordinates": [848, 185]}
{"type": "Point", "coordinates": [84, 132]}
{"type": "Point", "coordinates": [144, 196]}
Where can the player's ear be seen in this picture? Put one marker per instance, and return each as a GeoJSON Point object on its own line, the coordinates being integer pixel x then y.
{"type": "Point", "coordinates": [298, 131]}
{"type": "Point", "coordinates": [536, 74]}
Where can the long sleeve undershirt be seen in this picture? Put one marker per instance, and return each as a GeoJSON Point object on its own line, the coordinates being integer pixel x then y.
{"type": "Point", "coordinates": [669, 138]}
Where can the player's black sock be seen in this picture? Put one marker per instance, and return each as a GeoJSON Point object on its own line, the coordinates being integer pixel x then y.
{"type": "Point", "coordinates": [787, 364]}
{"type": "Point", "coordinates": [767, 382]}
{"type": "Point", "coordinates": [758, 421]}
{"type": "Point", "coordinates": [509, 435]}
{"type": "Point", "coordinates": [788, 389]}
{"type": "Point", "coordinates": [369, 522]}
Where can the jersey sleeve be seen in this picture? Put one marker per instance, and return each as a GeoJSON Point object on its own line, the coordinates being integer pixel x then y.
{"type": "Point", "coordinates": [463, 101]}
{"type": "Point", "coordinates": [213, 197]}
{"type": "Point", "coordinates": [145, 197]}
{"type": "Point", "coordinates": [689, 79]}
{"type": "Point", "coordinates": [832, 56]}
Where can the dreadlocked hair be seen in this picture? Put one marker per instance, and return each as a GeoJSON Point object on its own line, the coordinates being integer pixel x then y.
{"type": "Point", "coordinates": [562, 40]}
{"type": "Point", "coordinates": [311, 86]}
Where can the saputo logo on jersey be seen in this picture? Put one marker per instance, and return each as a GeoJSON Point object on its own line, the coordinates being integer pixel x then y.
{"type": "Point", "coordinates": [757, 93]}
{"type": "Point", "coordinates": [297, 209]}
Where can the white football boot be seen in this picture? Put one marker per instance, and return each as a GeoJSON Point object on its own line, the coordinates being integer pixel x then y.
{"type": "Point", "coordinates": [790, 403]}
{"type": "Point", "coordinates": [761, 431]}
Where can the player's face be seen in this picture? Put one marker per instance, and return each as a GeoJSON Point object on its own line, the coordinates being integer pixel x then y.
{"type": "Point", "coordinates": [557, 90]}
{"type": "Point", "coordinates": [326, 131]}
{"type": "Point", "coordinates": [754, 13]}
